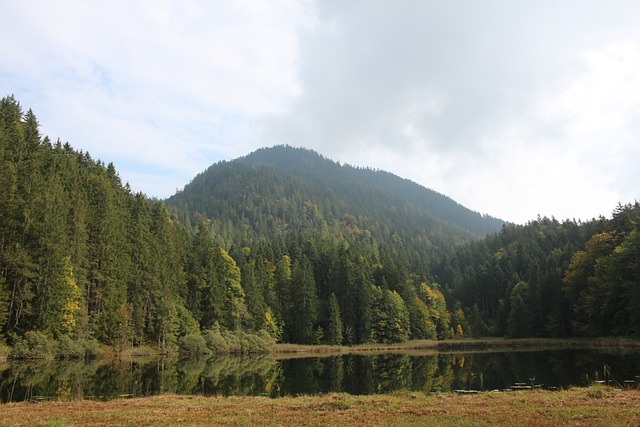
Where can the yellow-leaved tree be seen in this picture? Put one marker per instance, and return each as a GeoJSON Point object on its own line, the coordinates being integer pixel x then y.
{"type": "Point", "coordinates": [72, 297]}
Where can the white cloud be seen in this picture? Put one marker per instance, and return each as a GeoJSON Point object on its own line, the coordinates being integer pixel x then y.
{"type": "Point", "coordinates": [171, 85]}
{"type": "Point", "coordinates": [511, 108]}
{"type": "Point", "coordinates": [492, 103]}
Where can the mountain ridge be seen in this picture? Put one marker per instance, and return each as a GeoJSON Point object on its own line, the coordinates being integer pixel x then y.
{"type": "Point", "coordinates": [386, 180]}
{"type": "Point", "coordinates": [348, 189]}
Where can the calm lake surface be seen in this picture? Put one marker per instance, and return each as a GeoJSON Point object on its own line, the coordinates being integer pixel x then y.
{"type": "Point", "coordinates": [355, 374]}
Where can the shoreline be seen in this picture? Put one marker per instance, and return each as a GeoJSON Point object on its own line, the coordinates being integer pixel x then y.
{"type": "Point", "coordinates": [431, 347]}
{"type": "Point", "coordinates": [415, 347]}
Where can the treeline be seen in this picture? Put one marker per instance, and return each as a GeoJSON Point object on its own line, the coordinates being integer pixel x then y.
{"type": "Point", "coordinates": [273, 191]}
{"type": "Point", "coordinates": [248, 255]}
{"type": "Point", "coordinates": [551, 279]}
{"type": "Point", "coordinates": [83, 258]}
{"type": "Point", "coordinates": [80, 255]}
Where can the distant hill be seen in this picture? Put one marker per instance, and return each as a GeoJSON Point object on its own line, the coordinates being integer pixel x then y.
{"type": "Point", "coordinates": [273, 190]}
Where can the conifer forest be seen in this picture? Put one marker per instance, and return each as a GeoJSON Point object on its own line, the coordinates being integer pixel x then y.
{"type": "Point", "coordinates": [284, 245]}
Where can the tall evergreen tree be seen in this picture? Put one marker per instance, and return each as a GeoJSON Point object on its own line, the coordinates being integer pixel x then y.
{"type": "Point", "coordinates": [302, 308]}
{"type": "Point", "coordinates": [333, 329]}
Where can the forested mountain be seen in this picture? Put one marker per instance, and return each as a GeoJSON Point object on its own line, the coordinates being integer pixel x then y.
{"type": "Point", "coordinates": [279, 187]}
{"type": "Point", "coordinates": [85, 260]}
{"type": "Point", "coordinates": [277, 193]}
{"type": "Point", "coordinates": [284, 245]}
{"type": "Point", "coordinates": [363, 239]}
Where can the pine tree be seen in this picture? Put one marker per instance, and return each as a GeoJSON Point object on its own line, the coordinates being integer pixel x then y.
{"type": "Point", "coordinates": [254, 296]}
{"type": "Point", "coordinates": [144, 279]}
{"type": "Point", "coordinates": [333, 330]}
{"type": "Point", "coordinates": [302, 309]}
{"type": "Point", "coordinates": [390, 323]}
{"type": "Point", "coordinates": [519, 322]}
{"type": "Point", "coordinates": [171, 278]}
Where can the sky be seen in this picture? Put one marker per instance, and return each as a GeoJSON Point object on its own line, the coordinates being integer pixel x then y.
{"type": "Point", "coordinates": [513, 109]}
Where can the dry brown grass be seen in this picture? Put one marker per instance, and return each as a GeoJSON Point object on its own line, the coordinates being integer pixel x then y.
{"type": "Point", "coordinates": [575, 407]}
{"type": "Point", "coordinates": [431, 347]}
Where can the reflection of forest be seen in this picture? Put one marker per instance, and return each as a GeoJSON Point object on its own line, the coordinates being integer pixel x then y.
{"type": "Point", "coordinates": [355, 374]}
{"type": "Point", "coordinates": [108, 379]}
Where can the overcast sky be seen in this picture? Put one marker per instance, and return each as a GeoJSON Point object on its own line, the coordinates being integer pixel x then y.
{"type": "Point", "coordinates": [512, 108]}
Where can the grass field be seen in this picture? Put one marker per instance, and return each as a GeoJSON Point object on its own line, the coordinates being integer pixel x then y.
{"type": "Point", "coordinates": [600, 406]}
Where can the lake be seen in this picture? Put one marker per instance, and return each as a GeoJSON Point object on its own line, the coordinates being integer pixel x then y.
{"type": "Point", "coordinates": [354, 374]}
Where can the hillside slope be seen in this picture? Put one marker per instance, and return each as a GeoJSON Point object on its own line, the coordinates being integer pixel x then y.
{"type": "Point", "coordinates": [276, 189]}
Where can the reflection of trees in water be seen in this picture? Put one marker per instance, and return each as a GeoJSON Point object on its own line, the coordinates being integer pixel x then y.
{"type": "Point", "coordinates": [228, 375]}
{"type": "Point", "coordinates": [390, 372]}
{"type": "Point", "coordinates": [59, 380]}
{"type": "Point", "coordinates": [356, 374]}
{"type": "Point", "coordinates": [423, 373]}
{"type": "Point", "coordinates": [262, 375]}
{"type": "Point", "coordinates": [108, 379]}
{"type": "Point", "coordinates": [300, 376]}
{"type": "Point", "coordinates": [189, 374]}
{"type": "Point", "coordinates": [335, 374]}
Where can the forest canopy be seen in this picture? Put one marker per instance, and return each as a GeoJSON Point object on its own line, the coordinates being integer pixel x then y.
{"type": "Point", "coordinates": [284, 245]}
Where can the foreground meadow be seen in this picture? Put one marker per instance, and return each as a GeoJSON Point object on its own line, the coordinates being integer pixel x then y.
{"type": "Point", "coordinates": [577, 407]}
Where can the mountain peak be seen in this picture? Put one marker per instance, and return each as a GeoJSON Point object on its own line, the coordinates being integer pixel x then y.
{"type": "Point", "coordinates": [286, 156]}
{"type": "Point", "coordinates": [268, 189]}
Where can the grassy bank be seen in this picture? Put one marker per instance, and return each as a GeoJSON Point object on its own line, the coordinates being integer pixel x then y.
{"type": "Point", "coordinates": [428, 347]}
{"type": "Point", "coordinates": [288, 351]}
{"type": "Point", "coordinates": [578, 407]}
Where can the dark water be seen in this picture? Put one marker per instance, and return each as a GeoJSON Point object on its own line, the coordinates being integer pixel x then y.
{"type": "Point", "coordinates": [65, 380]}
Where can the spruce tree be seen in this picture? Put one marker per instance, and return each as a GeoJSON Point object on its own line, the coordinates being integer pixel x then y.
{"type": "Point", "coordinates": [333, 330]}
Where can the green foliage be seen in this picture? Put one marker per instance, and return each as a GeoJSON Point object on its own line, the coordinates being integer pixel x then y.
{"type": "Point", "coordinates": [390, 317]}
{"type": "Point", "coordinates": [69, 348]}
{"type": "Point", "coordinates": [4, 302]}
{"type": "Point", "coordinates": [333, 329]}
{"type": "Point", "coordinates": [284, 245]}
{"type": "Point", "coordinates": [548, 278]}
{"type": "Point", "coordinates": [238, 342]}
{"type": "Point", "coordinates": [233, 311]}
{"type": "Point", "coordinates": [193, 345]}
{"type": "Point", "coordinates": [459, 323]}
{"type": "Point", "coordinates": [271, 326]}
{"type": "Point", "coordinates": [71, 298]}
{"type": "Point", "coordinates": [478, 326]}
{"type": "Point", "coordinates": [34, 345]}
{"type": "Point", "coordinates": [296, 180]}
{"type": "Point", "coordinates": [422, 326]}
{"type": "Point", "coordinates": [601, 282]}
{"type": "Point", "coordinates": [186, 323]}
{"type": "Point", "coordinates": [301, 304]}
{"type": "Point", "coordinates": [81, 256]}
{"type": "Point", "coordinates": [437, 315]}
{"type": "Point", "coordinates": [520, 314]}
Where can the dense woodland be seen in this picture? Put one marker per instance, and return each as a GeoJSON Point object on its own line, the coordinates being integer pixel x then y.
{"type": "Point", "coordinates": [550, 278]}
{"type": "Point", "coordinates": [285, 245]}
